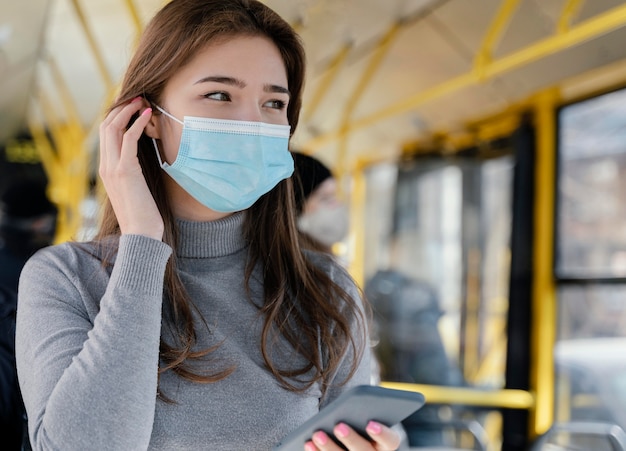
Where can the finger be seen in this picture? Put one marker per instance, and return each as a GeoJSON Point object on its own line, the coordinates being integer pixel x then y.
{"type": "Point", "coordinates": [115, 111]}
{"type": "Point", "coordinates": [119, 121]}
{"type": "Point", "coordinates": [132, 135]}
{"type": "Point", "coordinates": [310, 446]}
{"type": "Point", "coordinates": [102, 133]}
{"type": "Point", "coordinates": [113, 131]}
{"type": "Point", "coordinates": [350, 438]}
{"type": "Point", "coordinates": [109, 118]}
{"type": "Point", "coordinates": [385, 438]}
{"type": "Point", "coordinates": [324, 442]}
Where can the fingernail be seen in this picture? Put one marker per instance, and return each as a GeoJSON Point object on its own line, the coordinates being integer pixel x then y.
{"type": "Point", "coordinates": [136, 99]}
{"type": "Point", "coordinates": [320, 438]}
{"type": "Point", "coordinates": [146, 111]}
{"type": "Point", "coordinates": [308, 446]}
{"type": "Point", "coordinates": [342, 430]}
{"type": "Point", "coordinates": [374, 428]}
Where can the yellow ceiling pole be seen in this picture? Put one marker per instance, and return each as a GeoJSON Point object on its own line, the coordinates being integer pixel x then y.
{"type": "Point", "coordinates": [357, 201]}
{"type": "Point", "coordinates": [494, 33]}
{"type": "Point", "coordinates": [48, 156]}
{"type": "Point", "coordinates": [91, 40]}
{"type": "Point", "coordinates": [571, 8]}
{"type": "Point", "coordinates": [63, 90]}
{"type": "Point", "coordinates": [74, 156]}
{"type": "Point", "coordinates": [366, 76]}
{"type": "Point", "coordinates": [327, 79]}
{"type": "Point", "coordinates": [134, 15]}
{"type": "Point", "coordinates": [68, 179]}
{"type": "Point", "coordinates": [543, 291]}
{"type": "Point", "coordinates": [73, 122]}
{"type": "Point", "coordinates": [51, 157]}
{"type": "Point", "coordinates": [111, 87]}
{"type": "Point", "coordinates": [591, 28]}
{"type": "Point", "coordinates": [54, 171]}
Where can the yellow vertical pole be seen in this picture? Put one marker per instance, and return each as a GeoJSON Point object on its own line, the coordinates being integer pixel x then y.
{"type": "Point", "coordinates": [358, 195]}
{"type": "Point", "coordinates": [543, 331]}
{"type": "Point", "coordinates": [471, 360]}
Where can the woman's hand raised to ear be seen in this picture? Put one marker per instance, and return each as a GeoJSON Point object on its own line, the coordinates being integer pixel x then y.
{"type": "Point", "coordinates": [121, 174]}
{"type": "Point", "coordinates": [382, 438]}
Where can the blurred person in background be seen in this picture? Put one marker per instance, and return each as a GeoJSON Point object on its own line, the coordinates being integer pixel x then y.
{"type": "Point", "coordinates": [27, 224]}
{"type": "Point", "coordinates": [322, 215]}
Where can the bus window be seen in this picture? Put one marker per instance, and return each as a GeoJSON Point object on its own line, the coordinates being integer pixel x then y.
{"type": "Point", "coordinates": [590, 260]}
{"type": "Point", "coordinates": [591, 192]}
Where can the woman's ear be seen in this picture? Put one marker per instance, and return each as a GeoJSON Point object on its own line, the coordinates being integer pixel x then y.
{"type": "Point", "coordinates": [152, 128]}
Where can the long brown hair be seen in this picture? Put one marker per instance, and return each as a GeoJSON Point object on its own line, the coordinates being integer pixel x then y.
{"type": "Point", "coordinates": [320, 327]}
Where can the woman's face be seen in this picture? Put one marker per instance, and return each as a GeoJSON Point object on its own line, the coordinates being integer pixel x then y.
{"type": "Point", "coordinates": [241, 78]}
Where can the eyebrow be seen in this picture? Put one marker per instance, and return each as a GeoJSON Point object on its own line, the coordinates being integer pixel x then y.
{"type": "Point", "coordinates": [276, 88]}
{"type": "Point", "coordinates": [241, 84]}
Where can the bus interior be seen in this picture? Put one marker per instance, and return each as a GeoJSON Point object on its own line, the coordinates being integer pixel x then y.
{"type": "Point", "coordinates": [481, 147]}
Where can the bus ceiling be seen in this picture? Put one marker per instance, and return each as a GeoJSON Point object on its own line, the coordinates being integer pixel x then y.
{"type": "Point", "coordinates": [383, 76]}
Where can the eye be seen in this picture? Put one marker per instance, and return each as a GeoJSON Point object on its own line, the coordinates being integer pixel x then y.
{"type": "Point", "coordinates": [276, 104]}
{"type": "Point", "coordinates": [220, 96]}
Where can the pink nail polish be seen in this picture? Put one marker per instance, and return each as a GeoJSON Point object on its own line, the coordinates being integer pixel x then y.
{"type": "Point", "coordinates": [308, 446]}
{"type": "Point", "coordinates": [342, 430]}
{"type": "Point", "coordinates": [146, 111]}
{"type": "Point", "coordinates": [320, 438]}
{"type": "Point", "coordinates": [135, 99]}
{"type": "Point", "coordinates": [374, 428]}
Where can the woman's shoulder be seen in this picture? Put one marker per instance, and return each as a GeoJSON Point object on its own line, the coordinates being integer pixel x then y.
{"type": "Point", "coordinates": [331, 266]}
{"type": "Point", "coordinates": [74, 256]}
{"type": "Point", "coordinates": [322, 260]}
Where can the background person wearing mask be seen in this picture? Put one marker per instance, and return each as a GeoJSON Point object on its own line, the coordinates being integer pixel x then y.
{"type": "Point", "coordinates": [322, 216]}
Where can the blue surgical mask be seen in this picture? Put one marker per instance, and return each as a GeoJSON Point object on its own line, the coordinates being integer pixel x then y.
{"type": "Point", "coordinates": [228, 165]}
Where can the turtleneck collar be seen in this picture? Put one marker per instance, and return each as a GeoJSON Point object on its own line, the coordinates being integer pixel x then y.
{"type": "Point", "coordinates": [211, 238]}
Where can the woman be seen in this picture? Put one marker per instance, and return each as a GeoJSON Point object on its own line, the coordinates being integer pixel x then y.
{"type": "Point", "coordinates": [194, 320]}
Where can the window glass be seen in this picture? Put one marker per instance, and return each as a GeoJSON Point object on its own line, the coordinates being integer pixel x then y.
{"type": "Point", "coordinates": [590, 354]}
{"type": "Point", "coordinates": [591, 213]}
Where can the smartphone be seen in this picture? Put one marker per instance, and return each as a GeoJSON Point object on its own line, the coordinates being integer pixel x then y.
{"type": "Point", "coordinates": [356, 407]}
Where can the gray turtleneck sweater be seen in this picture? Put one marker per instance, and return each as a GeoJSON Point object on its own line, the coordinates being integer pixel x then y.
{"type": "Point", "coordinates": [87, 348]}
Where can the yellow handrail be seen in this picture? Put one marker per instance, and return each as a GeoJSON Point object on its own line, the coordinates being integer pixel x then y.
{"type": "Point", "coordinates": [437, 394]}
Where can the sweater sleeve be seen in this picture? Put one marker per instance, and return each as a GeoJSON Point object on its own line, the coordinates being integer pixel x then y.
{"type": "Point", "coordinates": [91, 385]}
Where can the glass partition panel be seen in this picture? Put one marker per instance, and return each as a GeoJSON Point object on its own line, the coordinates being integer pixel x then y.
{"type": "Point", "coordinates": [438, 284]}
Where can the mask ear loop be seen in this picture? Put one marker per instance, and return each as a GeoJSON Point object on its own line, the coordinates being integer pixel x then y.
{"type": "Point", "coordinates": [168, 114]}
{"type": "Point", "coordinates": [156, 147]}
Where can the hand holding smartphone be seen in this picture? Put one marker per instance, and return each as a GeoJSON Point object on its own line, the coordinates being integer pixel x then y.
{"type": "Point", "coordinates": [356, 407]}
